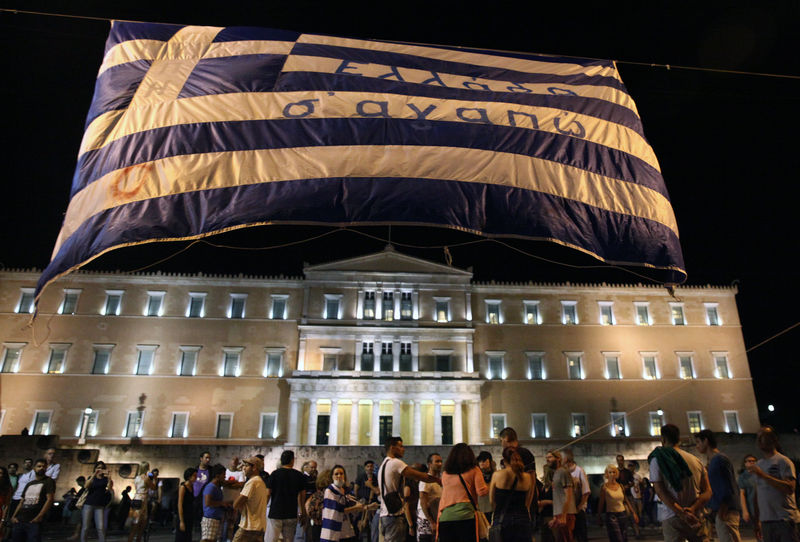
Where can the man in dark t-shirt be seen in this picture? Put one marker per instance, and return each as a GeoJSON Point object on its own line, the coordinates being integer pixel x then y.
{"type": "Point", "coordinates": [37, 498]}
{"type": "Point", "coordinates": [286, 495]}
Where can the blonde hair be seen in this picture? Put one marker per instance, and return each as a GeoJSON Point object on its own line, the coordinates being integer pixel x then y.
{"type": "Point", "coordinates": [610, 466]}
{"type": "Point", "coordinates": [144, 467]}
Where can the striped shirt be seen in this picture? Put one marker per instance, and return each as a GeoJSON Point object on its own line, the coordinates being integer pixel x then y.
{"type": "Point", "coordinates": [335, 523]}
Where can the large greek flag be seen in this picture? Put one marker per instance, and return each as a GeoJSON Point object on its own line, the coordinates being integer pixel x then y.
{"type": "Point", "coordinates": [196, 130]}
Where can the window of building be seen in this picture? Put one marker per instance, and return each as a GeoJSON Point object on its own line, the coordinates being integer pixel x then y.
{"type": "Point", "coordinates": [145, 359]}
{"type": "Point", "coordinates": [155, 303]}
{"type": "Point", "coordinates": [273, 367]}
{"type": "Point", "coordinates": [496, 365]}
{"type": "Point", "coordinates": [323, 422]}
{"type": "Point", "coordinates": [606, 313]}
{"type": "Point", "coordinates": [58, 358]}
{"type": "Point", "coordinates": [678, 318]}
{"type": "Point", "coordinates": [133, 424]}
{"type": "Point", "coordinates": [579, 424]}
{"type": "Point", "coordinates": [280, 303]}
{"type": "Point", "coordinates": [695, 419]}
{"type": "Point", "coordinates": [575, 365]}
{"type": "Point", "coordinates": [649, 366]}
{"type": "Point", "coordinates": [329, 361]}
{"type": "Point", "coordinates": [41, 422]}
{"type": "Point", "coordinates": [333, 306]}
{"type": "Point", "coordinates": [721, 369]}
{"type": "Point", "coordinates": [367, 356]}
{"type": "Point", "coordinates": [388, 306]}
{"type": "Point", "coordinates": [70, 302]}
{"type": "Point", "coordinates": [535, 365]}
{"type": "Point", "coordinates": [685, 366]}
{"type": "Point", "coordinates": [230, 361]}
{"type": "Point", "coordinates": [102, 358]}
{"type": "Point", "coordinates": [443, 360]}
{"type": "Point", "coordinates": [447, 428]}
{"type": "Point", "coordinates": [90, 420]}
{"type": "Point", "coordinates": [269, 426]}
{"type": "Point", "coordinates": [493, 315]}
{"type": "Point", "coordinates": [237, 305]}
{"type": "Point", "coordinates": [369, 305]}
{"type": "Point", "coordinates": [12, 354]}
{"type": "Point", "coordinates": [569, 313]}
{"type": "Point", "coordinates": [642, 313]}
{"type": "Point", "coordinates": [498, 423]}
{"type": "Point", "coordinates": [197, 305]}
{"type": "Point", "coordinates": [406, 306]}
{"type": "Point", "coordinates": [406, 357]}
{"type": "Point", "coordinates": [539, 425]}
{"type": "Point", "coordinates": [224, 424]}
{"type": "Point", "coordinates": [732, 422]}
{"type": "Point", "coordinates": [656, 422]}
{"type": "Point", "coordinates": [113, 304]}
{"type": "Point", "coordinates": [712, 314]}
{"type": "Point", "coordinates": [385, 426]}
{"type": "Point", "coordinates": [612, 367]}
{"type": "Point", "coordinates": [26, 297]}
{"type": "Point", "coordinates": [188, 361]}
{"type": "Point", "coordinates": [619, 424]}
{"type": "Point", "coordinates": [442, 309]}
{"type": "Point", "coordinates": [387, 357]}
{"type": "Point", "coordinates": [531, 314]}
{"type": "Point", "coordinates": [179, 428]}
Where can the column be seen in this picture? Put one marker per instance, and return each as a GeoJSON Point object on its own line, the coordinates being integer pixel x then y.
{"type": "Point", "coordinates": [354, 423]}
{"type": "Point", "coordinates": [360, 305]}
{"type": "Point", "coordinates": [458, 430]}
{"type": "Point", "coordinates": [379, 304]}
{"type": "Point", "coordinates": [294, 407]}
{"type": "Point", "coordinates": [396, 417]}
{"type": "Point", "coordinates": [397, 295]}
{"type": "Point", "coordinates": [437, 422]}
{"type": "Point", "coordinates": [333, 426]}
{"type": "Point", "coordinates": [415, 358]}
{"type": "Point", "coordinates": [359, 349]}
{"type": "Point", "coordinates": [474, 421]}
{"type": "Point", "coordinates": [417, 422]}
{"type": "Point", "coordinates": [468, 308]}
{"type": "Point", "coordinates": [312, 423]}
{"type": "Point", "coordinates": [373, 436]}
{"type": "Point", "coordinates": [301, 355]}
{"type": "Point", "coordinates": [470, 364]}
{"type": "Point", "coordinates": [395, 356]}
{"type": "Point", "coordinates": [415, 304]}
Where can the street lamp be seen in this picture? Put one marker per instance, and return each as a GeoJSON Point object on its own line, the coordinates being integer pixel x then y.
{"type": "Point", "coordinates": [87, 412]}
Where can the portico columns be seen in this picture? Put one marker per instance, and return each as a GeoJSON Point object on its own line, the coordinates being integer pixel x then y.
{"type": "Point", "coordinates": [354, 436]}
{"type": "Point", "coordinates": [437, 422]}
{"type": "Point", "coordinates": [333, 426]}
{"type": "Point", "coordinates": [474, 413]}
{"type": "Point", "coordinates": [312, 423]}
{"type": "Point", "coordinates": [458, 430]}
{"type": "Point", "coordinates": [417, 422]}
{"type": "Point", "coordinates": [294, 406]}
{"type": "Point", "coordinates": [373, 434]}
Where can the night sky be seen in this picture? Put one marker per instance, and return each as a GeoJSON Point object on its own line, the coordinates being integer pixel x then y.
{"type": "Point", "coordinates": [726, 142]}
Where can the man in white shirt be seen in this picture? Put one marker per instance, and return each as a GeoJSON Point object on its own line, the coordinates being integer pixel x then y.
{"type": "Point", "coordinates": [252, 503]}
{"type": "Point", "coordinates": [582, 493]}
{"type": "Point", "coordinates": [429, 494]}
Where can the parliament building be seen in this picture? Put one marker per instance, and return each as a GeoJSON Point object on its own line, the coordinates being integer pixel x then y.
{"type": "Point", "coordinates": [358, 349]}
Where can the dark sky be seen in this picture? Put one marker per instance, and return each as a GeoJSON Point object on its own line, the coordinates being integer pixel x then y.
{"type": "Point", "coordinates": [727, 142]}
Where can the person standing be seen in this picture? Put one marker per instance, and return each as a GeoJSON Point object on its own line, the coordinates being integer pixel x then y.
{"type": "Point", "coordinates": [776, 479]}
{"type": "Point", "coordinates": [6, 491]}
{"type": "Point", "coordinates": [53, 469]}
{"type": "Point", "coordinates": [392, 524]}
{"type": "Point", "coordinates": [582, 492]}
{"type": "Point", "coordinates": [429, 496]}
{"type": "Point", "coordinates": [336, 508]}
{"type": "Point", "coordinates": [12, 475]}
{"type": "Point", "coordinates": [94, 507]}
{"type": "Point", "coordinates": [22, 480]}
{"type": "Point", "coordinates": [286, 491]}
{"type": "Point", "coordinates": [143, 483]}
{"type": "Point", "coordinates": [214, 506]}
{"type": "Point", "coordinates": [36, 499]}
{"type": "Point", "coordinates": [487, 466]}
{"type": "Point", "coordinates": [462, 484]}
{"type": "Point", "coordinates": [747, 488]}
{"type": "Point", "coordinates": [613, 503]}
{"type": "Point", "coordinates": [725, 500]}
{"type": "Point", "coordinates": [511, 492]}
{"type": "Point", "coordinates": [564, 508]}
{"type": "Point", "coordinates": [183, 532]}
{"type": "Point", "coordinates": [681, 482]}
{"type": "Point", "coordinates": [252, 503]}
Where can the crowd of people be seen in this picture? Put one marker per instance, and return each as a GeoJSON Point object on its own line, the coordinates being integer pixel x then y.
{"type": "Point", "coordinates": [457, 498]}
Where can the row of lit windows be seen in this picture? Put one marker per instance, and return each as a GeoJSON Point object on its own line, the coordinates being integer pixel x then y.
{"type": "Point", "coordinates": [617, 423]}
{"type": "Point", "coordinates": [387, 306]}
{"type": "Point", "coordinates": [88, 424]}
{"type": "Point", "coordinates": [145, 359]}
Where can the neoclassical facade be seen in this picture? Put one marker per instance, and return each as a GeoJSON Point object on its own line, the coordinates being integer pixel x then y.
{"type": "Point", "coordinates": [359, 349]}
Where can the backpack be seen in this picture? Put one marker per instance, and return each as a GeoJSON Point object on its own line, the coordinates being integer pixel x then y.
{"type": "Point", "coordinates": [314, 506]}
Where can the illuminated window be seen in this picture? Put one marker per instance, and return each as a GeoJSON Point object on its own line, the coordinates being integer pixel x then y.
{"type": "Point", "coordinates": [612, 367]}
{"type": "Point", "coordinates": [179, 428]}
{"type": "Point", "coordinates": [678, 318]}
{"type": "Point", "coordinates": [656, 422]}
{"type": "Point", "coordinates": [496, 368]}
{"type": "Point", "coordinates": [619, 424]}
{"type": "Point", "coordinates": [569, 313]}
{"type": "Point", "coordinates": [133, 424]}
{"type": "Point", "coordinates": [498, 423]}
{"type": "Point", "coordinates": [535, 365]}
{"type": "Point", "coordinates": [493, 311]}
{"type": "Point", "coordinates": [279, 307]}
{"type": "Point", "coordinates": [102, 358]}
{"type": "Point", "coordinates": [224, 424]}
{"type": "Point", "coordinates": [721, 369]}
{"type": "Point", "coordinates": [695, 420]}
{"type": "Point", "coordinates": [369, 305]}
{"type": "Point", "coordinates": [25, 304]}
{"type": "Point", "coordinates": [539, 426]}
{"type": "Point", "coordinates": [406, 306]}
{"type": "Point", "coordinates": [649, 367]}
{"type": "Point", "coordinates": [579, 424]}
{"type": "Point", "coordinates": [274, 363]}
{"type": "Point", "coordinates": [70, 302]}
{"type": "Point", "coordinates": [686, 366]}
{"type": "Point", "coordinates": [388, 306]}
{"type": "Point", "coordinates": [58, 358]}
{"type": "Point", "coordinates": [442, 309]}
{"type": "Point", "coordinates": [642, 313]}
{"type": "Point", "coordinates": [145, 359]}
{"type": "Point", "coordinates": [188, 361]}
{"type": "Point", "coordinates": [236, 309]}
{"type": "Point", "coordinates": [230, 361]}
{"type": "Point", "coordinates": [91, 424]}
{"type": "Point", "coordinates": [155, 303]}
{"type": "Point", "coordinates": [574, 366]}
{"type": "Point", "coordinates": [113, 304]}
{"type": "Point", "coordinates": [12, 353]}
{"type": "Point", "coordinates": [268, 429]}
{"type": "Point", "coordinates": [41, 422]}
{"type": "Point", "coordinates": [732, 422]}
{"type": "Point", "coordinates": [333, 306]}
{"type": "Point", "coordinates": [606, 313]}
{"type": "Point", "coordinates": [712, 314]}
{"type": "Point", "coordinates": [532, 315]}
{"type": "Point", "coordinates": [197, 305]}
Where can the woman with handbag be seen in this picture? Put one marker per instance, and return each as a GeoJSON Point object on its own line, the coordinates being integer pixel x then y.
{"type": "Point", "coordinates": [615, 505]}
{"type": "Point", "coordinates": [94, 507]}
{"type": "Point", "coordinates": [511, 493]}
{"type": "Point", "coordinates": [462, 484]}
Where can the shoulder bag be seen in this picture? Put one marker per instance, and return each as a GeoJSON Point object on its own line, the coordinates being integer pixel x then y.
{"type": "Point", "coordinates": [481, 523]}
{"type": "Point", "coordinates": [392, 500]}
{"type": "Point", "coordinates": [83, 493]}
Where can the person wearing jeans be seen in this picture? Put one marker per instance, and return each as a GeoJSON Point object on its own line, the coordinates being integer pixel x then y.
{"type": "Point", "coordinates": [98, 487]}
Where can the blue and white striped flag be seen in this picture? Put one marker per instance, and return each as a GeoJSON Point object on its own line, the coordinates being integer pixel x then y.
{"type": "Point", "coordinates": [195, 130]}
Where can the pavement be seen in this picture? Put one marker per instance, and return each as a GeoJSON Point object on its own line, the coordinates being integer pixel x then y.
{"type": "Point", "coordinates": [162, 534]}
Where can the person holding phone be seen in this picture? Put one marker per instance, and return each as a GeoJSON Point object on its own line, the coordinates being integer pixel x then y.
{"type": "Point", "coordinates": [97, 487]}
